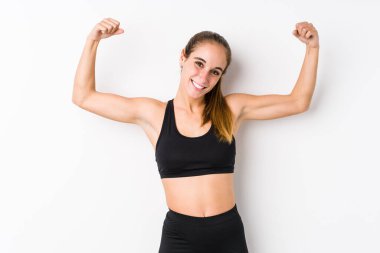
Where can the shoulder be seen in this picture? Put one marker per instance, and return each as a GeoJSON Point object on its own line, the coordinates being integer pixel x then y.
{"type": "Point", "coordinates": [235, 102]}
{"type": "Point", "coordinates": [150, 108]}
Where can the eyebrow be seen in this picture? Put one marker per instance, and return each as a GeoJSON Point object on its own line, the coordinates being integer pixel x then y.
{"type": "Point", "coordinates": [198, 58]}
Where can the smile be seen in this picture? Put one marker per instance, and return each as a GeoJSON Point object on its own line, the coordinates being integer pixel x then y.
{"type": "Point", "coordinates": [197, 86]}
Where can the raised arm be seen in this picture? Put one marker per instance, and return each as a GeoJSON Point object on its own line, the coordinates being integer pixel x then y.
{"type": "Point", "coordinates": [273, 106]}
{"type": "Point", "coordinates": [130, 110]}
{"type": "Point", "coordinates": [304, 88]}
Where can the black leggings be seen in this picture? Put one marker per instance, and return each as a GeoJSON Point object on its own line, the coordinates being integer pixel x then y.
{"type": "Point", "coordinates": [221, 233]}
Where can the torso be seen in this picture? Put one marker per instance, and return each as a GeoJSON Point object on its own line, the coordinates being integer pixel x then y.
{"type": "Point", "coordinates": [199, 196]}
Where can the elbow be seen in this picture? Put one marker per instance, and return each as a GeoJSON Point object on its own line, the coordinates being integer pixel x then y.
{"type": "Point", "coordinates": [75, 99]}
{"type": "Point", "coordinates": [79, 95]}
{"type": "Point", "coordinates": [75, 102]}
{"type": "Point", "coordinates": [78, 99]}
{"type": "Point", "coordinates": [303, 105]}
{"type": "Point", "coordinates": [304, 108]}
{"type": "Point", "coordinates": [75, 96]}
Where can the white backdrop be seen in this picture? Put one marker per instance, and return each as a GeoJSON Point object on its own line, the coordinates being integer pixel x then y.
{"type": "Point", "coordinates": [72, 181]}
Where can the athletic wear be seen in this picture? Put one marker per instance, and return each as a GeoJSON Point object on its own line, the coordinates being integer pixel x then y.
{"type": "Point", "coordinates": [181, 156]}
{"type": "Point", "coordinates": [222, 233]}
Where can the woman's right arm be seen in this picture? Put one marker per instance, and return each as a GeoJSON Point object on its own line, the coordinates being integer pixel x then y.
{"type": "Point", "coordinates": [130, 110]}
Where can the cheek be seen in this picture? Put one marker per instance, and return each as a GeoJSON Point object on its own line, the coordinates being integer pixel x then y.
{"type": "Point", "coordinates": [190, 74]}
{"type": "Point", "coordinates": [191, 68]}
{"type": "Point", "coordinates": [215, 80]}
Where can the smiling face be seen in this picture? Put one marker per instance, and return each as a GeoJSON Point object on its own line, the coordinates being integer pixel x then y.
{"type": "Point", "coordinates": [203, 68]}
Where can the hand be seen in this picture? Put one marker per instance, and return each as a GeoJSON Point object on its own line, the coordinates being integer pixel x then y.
{"type": "Point", "coordinates": [307, 33]}
{"type": "Point", "coordinates": [106, 28]}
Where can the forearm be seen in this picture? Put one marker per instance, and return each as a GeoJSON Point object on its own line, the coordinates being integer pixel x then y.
{"type": "Point", "coordinates": [305, 85]}
{"type": "Point", "coordinates": [84, 81]}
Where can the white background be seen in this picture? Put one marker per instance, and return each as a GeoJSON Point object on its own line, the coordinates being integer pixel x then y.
{"type": "Point", "coordinates": [72, 181]}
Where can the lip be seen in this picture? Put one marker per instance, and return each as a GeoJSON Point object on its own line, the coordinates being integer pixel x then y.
{"type": "Point", "coordinates": [204, 87]}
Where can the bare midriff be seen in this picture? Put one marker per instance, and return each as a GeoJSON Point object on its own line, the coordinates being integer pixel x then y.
{"type": "Point", "coordinates": [200, 196]}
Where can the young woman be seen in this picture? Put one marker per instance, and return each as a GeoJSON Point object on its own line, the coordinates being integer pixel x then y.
{"type": "Point", "coordinates": [193, 134]}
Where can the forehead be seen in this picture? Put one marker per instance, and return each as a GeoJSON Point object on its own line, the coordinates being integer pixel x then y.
{"type": "Point", "coordinates": [213, 53]}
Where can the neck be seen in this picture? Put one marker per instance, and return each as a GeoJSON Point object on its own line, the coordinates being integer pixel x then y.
{"type": "Point", "coordinates": [187, 103]}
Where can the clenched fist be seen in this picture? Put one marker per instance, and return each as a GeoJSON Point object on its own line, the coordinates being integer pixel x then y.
{"type": "Point", "coordinates": [307, 33]}
{"type": "Point", "coordinates": [106, 28]}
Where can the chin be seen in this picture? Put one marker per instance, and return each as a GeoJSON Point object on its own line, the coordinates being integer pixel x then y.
{"type": "Point", "coordinates": [192, 92]}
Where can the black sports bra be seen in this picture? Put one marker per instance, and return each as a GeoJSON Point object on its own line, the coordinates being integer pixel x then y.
{"type": "Point", "coordinates": [181, 156]}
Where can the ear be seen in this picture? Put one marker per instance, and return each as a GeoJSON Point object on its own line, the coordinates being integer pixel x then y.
{"type": "Point", "coordinates": [182, 58]}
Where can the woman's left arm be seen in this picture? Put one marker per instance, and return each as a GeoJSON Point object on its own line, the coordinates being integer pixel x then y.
{"type": "Point", "coordinates": [272, 106]}
{"type": "Point", "coordinates": [304, 87]}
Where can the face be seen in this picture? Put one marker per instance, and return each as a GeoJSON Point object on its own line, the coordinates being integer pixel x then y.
{"type": "Point", "coordinates": [203, 68]}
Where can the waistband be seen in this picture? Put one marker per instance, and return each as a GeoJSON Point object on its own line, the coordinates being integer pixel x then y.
{"type": "Point", "coordinates": [232, 213]}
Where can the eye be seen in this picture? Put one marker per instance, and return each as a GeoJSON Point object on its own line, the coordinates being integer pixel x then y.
{"type": "Point", "coordinates": [216, 73]}
{"type": "Point", "coordinates": [200, 64]}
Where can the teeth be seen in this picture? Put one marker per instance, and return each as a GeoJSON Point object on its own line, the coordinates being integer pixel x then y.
{"type": "Point", "coordinates": [197, 85]}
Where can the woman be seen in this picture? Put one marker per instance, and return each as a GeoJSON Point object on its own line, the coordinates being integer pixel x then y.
{"type": "Point", "coordinates": [193, 133]}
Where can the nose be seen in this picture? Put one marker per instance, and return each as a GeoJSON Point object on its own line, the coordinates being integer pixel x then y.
{"type": "Point", "coordinates": [203, 75]}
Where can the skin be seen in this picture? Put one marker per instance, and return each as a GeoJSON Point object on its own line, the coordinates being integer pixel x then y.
{"type": "Point", "coordinates": [204, 195]}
